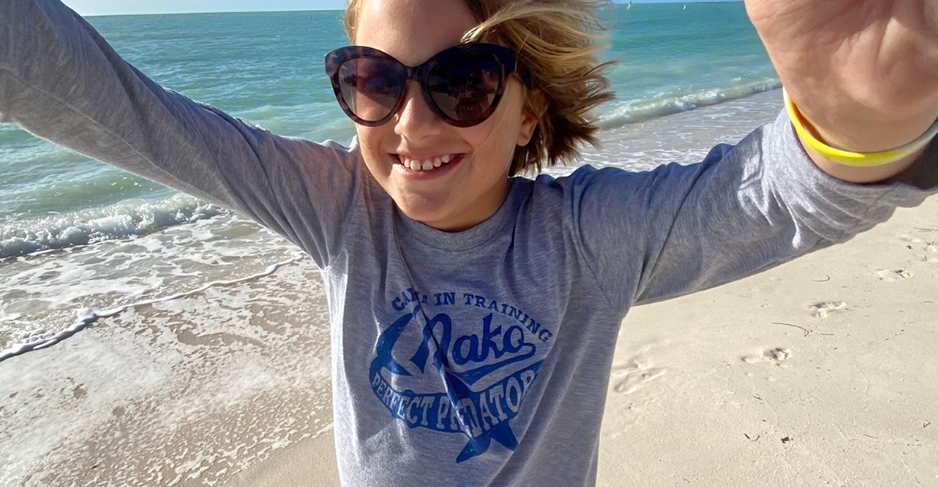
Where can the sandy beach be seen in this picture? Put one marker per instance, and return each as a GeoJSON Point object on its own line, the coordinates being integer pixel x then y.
{"type": "Point", "coordinates": [818, 373]}
{"type": "Point", "coordinates": [149, 338]}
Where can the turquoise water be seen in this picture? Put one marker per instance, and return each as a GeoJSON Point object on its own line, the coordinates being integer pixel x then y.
{"type": "Point", "coordinates": [267, 68]}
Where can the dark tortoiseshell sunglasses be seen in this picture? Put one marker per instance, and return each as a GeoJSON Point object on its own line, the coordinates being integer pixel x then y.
{"type": "Point", "coordinates": [462, 84]}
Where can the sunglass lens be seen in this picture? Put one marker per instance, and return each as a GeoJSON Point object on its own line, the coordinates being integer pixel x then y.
{"type": "Point", "coordinates": [464, 87]}
{"type": "Point", "coordinates": [371, 87]}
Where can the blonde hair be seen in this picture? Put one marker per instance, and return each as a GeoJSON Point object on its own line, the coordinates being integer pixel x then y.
{"type": "Point", "coordinates": [556, 42]}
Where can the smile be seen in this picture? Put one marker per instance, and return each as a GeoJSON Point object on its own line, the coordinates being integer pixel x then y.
{"type": "Point", "coordinates": [415, 164]}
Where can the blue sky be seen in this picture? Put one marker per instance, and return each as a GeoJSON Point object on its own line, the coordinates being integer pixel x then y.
{"type": "Point", "coordinates": [113, 7]}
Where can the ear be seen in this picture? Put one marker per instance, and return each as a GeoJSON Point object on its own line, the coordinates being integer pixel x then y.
{"type": "Point", "coordinates": [531, 113]}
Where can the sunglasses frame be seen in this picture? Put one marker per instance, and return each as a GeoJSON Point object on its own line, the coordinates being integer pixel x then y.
{"type": "Point", "coordinates": [505, 57]}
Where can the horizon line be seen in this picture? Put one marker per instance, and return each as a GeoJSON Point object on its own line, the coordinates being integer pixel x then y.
{"type": "Point", "coordinates": [342, 9]}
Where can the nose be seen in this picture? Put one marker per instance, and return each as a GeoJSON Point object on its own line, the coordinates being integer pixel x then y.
{"type": "Point", "coordinates": [416, 119]}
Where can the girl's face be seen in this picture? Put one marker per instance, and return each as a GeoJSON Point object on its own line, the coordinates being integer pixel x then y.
{"type": "Point", "coordinates": [470, 187]}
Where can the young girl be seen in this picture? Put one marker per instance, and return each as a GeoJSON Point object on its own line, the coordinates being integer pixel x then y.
{"type": "Point", "coordinates": [474, 312]}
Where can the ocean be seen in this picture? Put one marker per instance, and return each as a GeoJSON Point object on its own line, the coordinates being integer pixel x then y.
{"type": "Point", "coordinates": [168, 340]}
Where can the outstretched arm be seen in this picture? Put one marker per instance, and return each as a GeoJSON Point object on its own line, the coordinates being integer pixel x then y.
{"type": "Point", "coordinates": [60, 80]}
{"type": "Point", "coordinates": [864, 73]}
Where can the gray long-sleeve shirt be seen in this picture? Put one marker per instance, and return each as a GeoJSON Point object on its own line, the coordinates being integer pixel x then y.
{"type": "Point", "coordinates": [473, 358]}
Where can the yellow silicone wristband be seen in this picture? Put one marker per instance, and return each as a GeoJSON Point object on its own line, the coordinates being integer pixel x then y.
{"type": "Point", "coordinates": [847, 158]}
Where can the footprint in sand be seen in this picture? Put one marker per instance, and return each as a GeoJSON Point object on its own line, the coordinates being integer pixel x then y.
{"type": "Point", "coordinates": [931, 252]}
{"type": "Point", "coordinates": [777, 354]}
{"type": "Point", "coordinates": [823, 309]}
{"type": "Point", "coordinates": [892, 276]}
{"type": "Point", "coordinates": [632, 375]}
{"type": "Point", "coordinates": [930, 247]}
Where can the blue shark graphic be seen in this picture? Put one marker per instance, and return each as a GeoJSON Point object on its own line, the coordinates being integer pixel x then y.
{"type": "Point", "coordinates": [482, 415]}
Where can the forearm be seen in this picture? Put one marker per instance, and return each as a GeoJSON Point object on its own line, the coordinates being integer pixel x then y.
{"type": "Point", "coordinates": [60, 80]}
{"type": "Point", "coordinates": [863, 174]}
{"type": "Point", "coordinates": [862, 137]}
{"type": "Point", "coordinates": [741, 211]}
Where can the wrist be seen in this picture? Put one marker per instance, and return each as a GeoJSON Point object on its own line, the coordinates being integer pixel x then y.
{"type": "Point", "coordinates": [842, 154]}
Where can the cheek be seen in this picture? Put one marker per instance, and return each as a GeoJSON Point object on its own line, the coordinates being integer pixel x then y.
{"type": "Point", "coordinates": [367, 137]}
{"type": "Point", "coordinates": [369, 141]}
{"type": "Point", "coordinates": [507, 122]}
{"type": "Point", "coordinates": [500, 136]}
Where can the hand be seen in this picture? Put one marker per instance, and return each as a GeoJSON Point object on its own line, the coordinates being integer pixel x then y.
{"type": "Point", "coordinates": [864, 72]}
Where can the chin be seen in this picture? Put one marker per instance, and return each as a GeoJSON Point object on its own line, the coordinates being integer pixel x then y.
{"type": "Point", "coordinates": [425, 210]}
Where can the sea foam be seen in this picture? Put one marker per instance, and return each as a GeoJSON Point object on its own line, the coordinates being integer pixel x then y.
{"type": "Point", "coordinates": [122, 220]}
{"type": "Point", "coordinates": [632, 111]}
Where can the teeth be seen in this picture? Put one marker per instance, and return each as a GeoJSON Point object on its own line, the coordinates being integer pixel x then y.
{"type": "Point", "coordinates": [415, 165]}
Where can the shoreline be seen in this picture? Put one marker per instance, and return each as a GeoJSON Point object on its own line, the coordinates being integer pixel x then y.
{"type": "Point", "coordinates": [308, 460]}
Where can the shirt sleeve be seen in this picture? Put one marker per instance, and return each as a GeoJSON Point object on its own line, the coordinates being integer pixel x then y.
{"type": "Point", "coordinates": [744, 209]}
{"type": "Point", "coordinates": [60, 80]}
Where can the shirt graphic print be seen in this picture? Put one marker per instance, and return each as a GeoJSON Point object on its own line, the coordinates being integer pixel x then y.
{"type": "Point", "coordinates": [458, 363]}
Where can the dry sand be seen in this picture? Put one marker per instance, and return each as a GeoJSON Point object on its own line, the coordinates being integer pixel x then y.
{"type": "Point", "coordinates": [821, 372]}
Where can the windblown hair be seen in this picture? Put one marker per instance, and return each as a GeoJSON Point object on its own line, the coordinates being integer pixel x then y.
{"type": "Point", "coordinates": [557, 46]}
